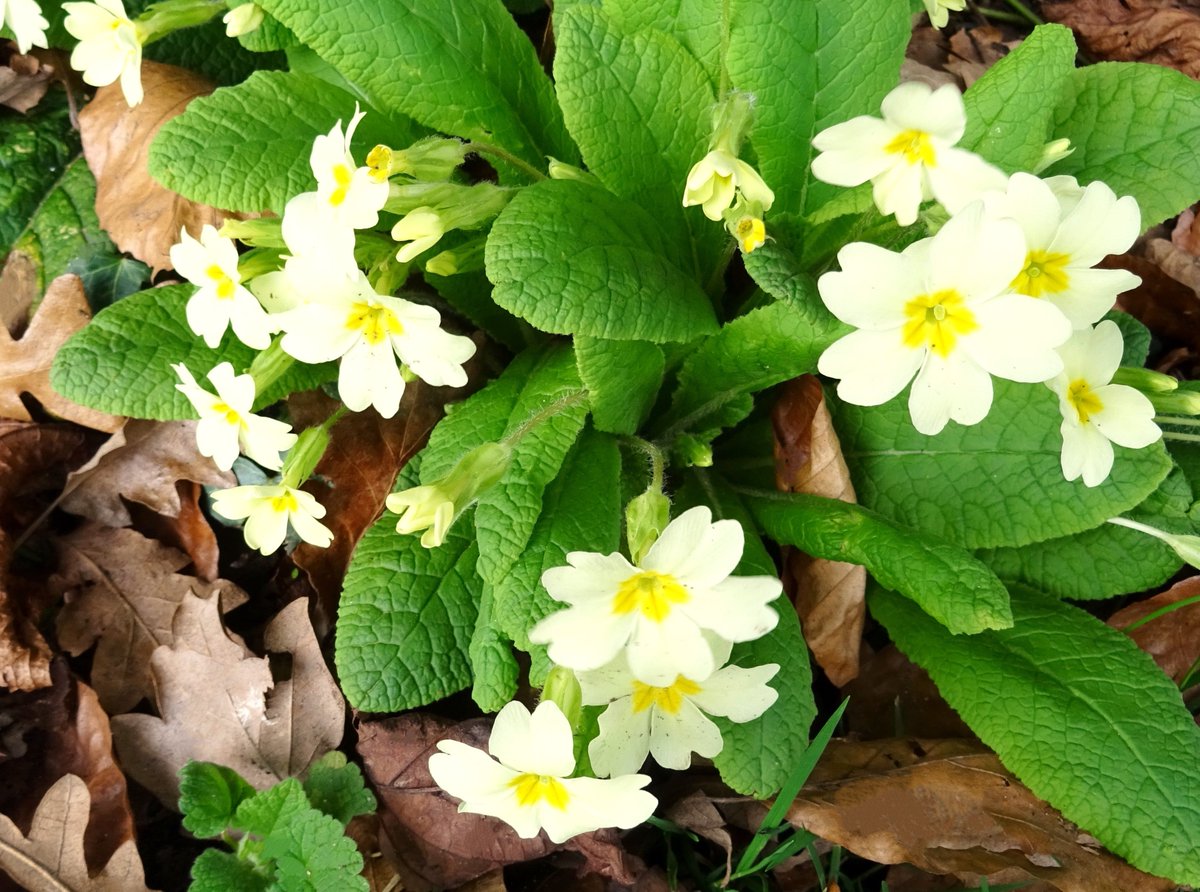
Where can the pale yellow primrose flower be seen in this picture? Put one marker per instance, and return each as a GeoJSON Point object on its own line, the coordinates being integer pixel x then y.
{"type": "Point", "coordinates": [268, 509]}
{"type": "Point", "coordinates": [243, 19]}
{"type": "Point", "coordinates": [25, 19]}
{"type": "Point", "coordinates": [220, 301]}
{"type": "Point", "coordinates": [659, 608]}
{"type": "Point", "coordinates": [940, 311]}
{"type": "Point", "coordinates": [227, 424]}
{"type": "Point", "coordinates": [348, 196]}
{"type": "Point", "coordinates": [435, 506]}
{"type": "Point", "coordinates": [939, 10]}
{"type": "Point", "coordinates": [526, 781]}
{"type": "Point", "coordinates": [908, 156]}
{"type": "Point", "coordinates": [1097, 413]}
{"type": "Point", "coordinates": [110, 46]}
{"type": "Point", "coordinates": [670, 722]}
{"type": "Point", "coordinates": [1068, 230]}
{"type": "Point", "coordinates": [714, 181]}
{"type": "Point", "coordinates": [422, 228]}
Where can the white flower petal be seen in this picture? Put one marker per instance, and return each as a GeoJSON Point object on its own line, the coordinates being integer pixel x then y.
{"type": "Point", "coordinates": [590, 577]}
{"type": "Point", "coordinates": [309, 529]}
{"type": "Point", "coordinates": [976, 256]}
{"type": "Point", "coordinates": [952, 388]}
{"type": "Point", "coordinates": [610, 682]}
{"type": "Point", "coordinates": [250, 321]}
{"type": "Point", "coordinates": [265, 528]}
{"type": "Point", "coordinates": [1127, 416]}
{"type": "Point", "coordinates": [537, 743]}
{"type": "Point", "coordinates": [1085, 452]}
{"type": "Point", "coordinates": [659, 652]}
{"type": "Point", "coordinates": [208, 316]}
{"type": "Point", "coordinates": [961, 177]}
{"type": "Point", "coordinates": [218, 440]}
{"type": "Point", "coordinates": [1017, 337]}
{"type": "Point", "coordinates": [675, 736]}
{"type": "Point", "coordinates": [915, 106]}
{"type": "Point", "coordinates": [583, 637]}
{"type": "Point", "coordinates": [1031, 202]}
{"type": "Point", "coordinates": [623, 743]}
{"type": "Point", "coordinates": [899, 190]}
{"type": "Point", "coordinates": [1093, 354]}
{"type": "Point", "coordinates": [736, 609]}
{"type": "Point", "coordinates": [263, 439]}
{"type": "Point", "coordinates": [738, 694]}
{"type": "Point", "coordinates": [872, 288]}
{"type": "Point", "coordinates": [1091, 293]}
{"type": "Point", "coordinates": [1100, 224]}
{"type": "Point", "coordinates": [619, 802]}
{"type": "Point", "coordinates": [852, 152]}
{"type": "Point", "coordinates": [696, 551]}
{"type": "Point", "coordinates": [873, 366]}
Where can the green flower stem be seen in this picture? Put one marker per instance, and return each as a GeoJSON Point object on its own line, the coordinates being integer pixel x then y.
{"type": "Point", "coordinates": [483, 148]}
{"type": "Point", "coordinates": [269, 366]}
{"type": "Point", "coordinates": [169, 16]}
{"type": "Point", "coordinates": [558, 406]}
{"type": "Point", "coordinates": [1185, 438]}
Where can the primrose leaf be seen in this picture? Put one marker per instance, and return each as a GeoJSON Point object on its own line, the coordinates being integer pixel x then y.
{"type": "Point", "coordinates": [263, 131]}
{"type": "Point", "coordinates": [406, 615]}
{"type": "Point", "coordinates": [121, 361]}
{"type": "Point", "coordinates": [463, 68]}
{"type": "Point", "coordinates": [822, 63]}
{"type": "Point", "coordinates": [1010, 110]}
{"type": "Point", "coordinates": [34, 153]}
{"type": "Point", "coordinates": [209, 796]}
{"type": "Point", "coordinates": [949, 584]}
{"type": "Point", "coordinates": [560, 243]}
{"type": "Point", "coordinates": [494, 669]}
{"type": "Point", "coordinates": [622, 380]}
{"type": "Point", "coordinates": [996, 483]}
{"type": "Point", "coordinates": [694, 23]}
{"type": "Point", "coordinates": [1080, 715]}
{"type": "Point", "coordinates": [1135, 127]}
{"type": "Point", "coordinates": [335, 787]}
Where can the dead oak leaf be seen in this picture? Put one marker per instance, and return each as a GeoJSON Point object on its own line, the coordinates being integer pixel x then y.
{"type": "Point", "coordinates": [51, 855]}
{"type": "Point", "coordinates": [204, 680]}
{"type": "Point", "coordinates": [121, 594]}
{"type": "Point", "coordinates": [25, 363]}
{"type": "Point", "coordinates": [1162, 32]}
{"type": "Point", "coordinates": [142, 217]}
{"type": "Point", "coordinates": [24, 80]}
{"type": "Point", "coordinates": [141, 462]}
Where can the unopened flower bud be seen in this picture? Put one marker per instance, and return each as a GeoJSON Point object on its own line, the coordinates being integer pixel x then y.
{"type": "Point", "coordinates": [1145, 380]}
{"type": "Point", "coordinates": [646, 516]}
{"type": "Point", "coordinates": [1054, 151]}
{"type": "Point", "coordinates": [243, 19]}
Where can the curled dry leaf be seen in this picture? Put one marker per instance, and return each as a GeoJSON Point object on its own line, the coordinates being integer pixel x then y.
{"type": "Point", "coordinates": [206, 680]}
{"type": "Point", "coordinates": [894, 696]}
{"type": "Point", "coordinates": [960, 58]}
{"type": "Point", "coordinates": [51, 855]}
{"type": "Point", "coordinates": [25, 363]}
{"type": "Point", "coordinates": [1166, 301]}
{"type": "Point", "coordinates": [1173, 639]}
{"type": "Point", "coordinates": [24, 80]}
{"type": "Point", "coordinates": [1162, 32]}
{"type": "Point", "coordinates": [696, 812]}
{"type": "Point", "coordinates": [122, 591]}
{"type": "Point", "coordinates": [141, 462]}
{"type": "Point", "coordinates": [432, 845]}
{"type": "Point", "coordinates": [189, 531]}
{"type": "Point", "coordinates": [949, 806]}
{"type": "Point", "coordinates": [142, 217]}
{"type": "Point", "coordinates": [829, 595]}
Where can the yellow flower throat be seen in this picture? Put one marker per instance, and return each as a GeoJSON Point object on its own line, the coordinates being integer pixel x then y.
{"type": "Point", "coordinates": [376, 323]}
{"type": "Point", "coordinates": [1044, 273]}
{"type": "Point", "coordinates": [668, 699]}
{"type": "Point", "coordinates": [936, 321]}
{"type": "Point", "coordinates": [531, 789]}
{"type": "Point", "coordinates": [654, 594]}
{"type": "Point", "coordinates": [915, 145]}
{"type": "Point", "coordinates": [1084, 400]}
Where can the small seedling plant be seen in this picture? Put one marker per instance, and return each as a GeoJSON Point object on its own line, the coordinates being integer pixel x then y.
{"type": "Point", "coordinates": [695, 203]}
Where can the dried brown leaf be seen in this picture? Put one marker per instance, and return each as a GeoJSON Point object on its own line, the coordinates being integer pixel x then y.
{"type": "Point", "coordinates": [1173, 639]}
{"type": "Point", "coordinates": [378, 871]}
{"type": "Point", "coordinates": [142, 217]}
{"type": "Point", "coordinates": [1185, 235]}
{"type": "Point", "coordinates": [24, 80]}
{"type": "Point", "coordinates": [25, 363]}
{"type": "Point", "coordinates": [51, 856]}
{"type": "Point", "coordinates": [949, 806]}
{"type": "Point", "coordinates": [697, 813]}
{"type": "Point", "coordinates": [18, 290]}
{"type": "Point", "coordinates": [1162, 32]}
{"type": "Point", "coordinates": [1166, 301]}
{"type": "Point", "coordinates": [121, 594]}
{"type": "Point", "coordinates": [434, 846]}
{"type": "Point", "coordinates": [141, 462]}
{"type": "Point", "coordinates": [189, 531]}
{"type": "Point", "coordinates": [893, 695]}
{"type": "Point", "coordinates": [830, 596]}
{"type": "Point", "coordinates": [206, 680]}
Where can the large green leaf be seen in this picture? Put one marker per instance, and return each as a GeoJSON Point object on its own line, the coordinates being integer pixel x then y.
{"type": "Point", "coordinates": [494, 669]}
{"type": "Point", "coordinates": [1135, 127]}
{"type": "Point", "coordinates": [34, 152]}
{"type": "Point", "coordinates": [572, 258]}
{"type": "Point", "coordinates": [640, 108]}
{"type": "Point", "coordinates": [463, 68]}
{"type": "Point", "coordinates": [696, 24]}
{"type": "Point", "coordinates": [811, 64]}
{"type": "Point", "coordinates": [246, 147]}
{"type": "Point", "coordinates": [949, 584]}
{"type": "Point", "coordinates": [406, 615]}
{"type": "Point", "coordinates": [121, 361]}
{"type": "Point", "coordinates": [1010, 110]}
{"type": "Point", "coordinates": [996, 483]}
{"type": "Point", "coordinates": [1080, 715]}
{"type": "Point", "coordinates": [622, 378]}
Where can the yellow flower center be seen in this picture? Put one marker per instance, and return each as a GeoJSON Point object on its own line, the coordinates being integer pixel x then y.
{"type": "Point", "coordinates": [936, 321]}
{"type": "Point", "coordinates": [1044, 273]}
{"type": "Point", "coordinates": [915, 146]}
{"type": "Point", "coordinates": [751, 233]}
{"type": "Point", "coordinates": [232, 416]}
{"type": "Point", "coordinates": [342, 176]}
{"type": "Point", "coordinates": [650, 592]}
{"type": "Point", "coordinates": [668, 699]}
{"type": "Point", "coordinates": [376, 323]}
{"type": "Point", "coordinates": [379, 163]}
{"type": "Point", "coordinates": [531, 789]}
{"type": "Point", "coordinates": [285, 501]}
{"type": "Point", "coordinates": [225, 285]}
{"type": "Point", "coordinates": [1084, 400]}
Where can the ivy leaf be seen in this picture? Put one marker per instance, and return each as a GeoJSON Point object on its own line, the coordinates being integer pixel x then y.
{"type": "Point", "coordinates": [121, 362]}
{"type": "Point", "coordinates": [541, 273]}
{"type": "Point", "coordinates": [107, 275]}
{"type": "Point", "coordinates": [996, 483]}
{"type": "Point", "coordinates": [1135, 127]}
{"type": "Point", "coordinates": [622, 379]}
{"type": "Point", "coordinates": [1080, 715]}
{"type": "Point", "coordinates": [463, 68]}
{"type": "Point", "coordinates": [949, 584]}
{"type": "Point", "coordinates": [263, 131]}
{"type": "Point", "coordinates": [335, 787]}
{"type": "Point", "coordinates": [209, 796]}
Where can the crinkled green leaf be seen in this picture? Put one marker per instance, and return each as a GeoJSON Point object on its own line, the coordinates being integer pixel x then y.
{"type": "Point", "coordinates": [1136, 338]}
{"type": "Point", "coordinates": [776, 270]}
{"type": "Point", "coordinates": [949, 584]}
{"type": "Point", "coordinates": [335, 787]}
{"type": "Point", "coordinates": [262, 132]}
{"type": "Point", "coordinates": [493, 667]}
{"type": "Point", "coordinates": [1080, 715]}
{"type": "Point", "coordinates": [640, 108]}
{"type": "Point", "coordinates": [694, 23]}
{"type": "Point", "coordinates": [218, 871]}
{"type": "Point", "coordinates": [272, 809]}
{"type": "Point", "coordinates": [209, 796]}
{"type": "Point", "coordinates": [758, 756]}
{"type": "Point", "coordinates": [463, 68]}
{"type": "Point", "coordinates": [121, 361]}
{"type": "Point", "coordinates": [312, 854]}
{"type": "Point", "coordinates": [581, 511]}
{"type": "Point", "coordinates": [1010, 110]}
{"type": "Point", "coordinates": [622, 379]}
{"type": "Point", "coordinates": [996, 483]}
{"type": "Point", "coordinates": [35, 150]}
{"type": "Point", "coordinates": [1134, 127]}
{"type": "Point", "coordinates": [471, 294]}
{"type": "Point", "coordinates": [819, 64]}
{"type": "Point", "coordinates": [561, 243]}
{"type": "Point", "coordinates": [406, 615]}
